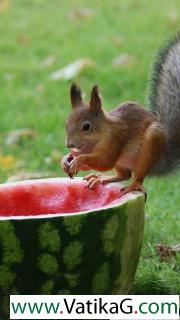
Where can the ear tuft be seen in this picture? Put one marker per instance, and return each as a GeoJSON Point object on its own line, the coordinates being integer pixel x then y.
{"type": "Point", "coordinates": [75, 95]}
{"type": "Point", "coordinates": [95, 103]}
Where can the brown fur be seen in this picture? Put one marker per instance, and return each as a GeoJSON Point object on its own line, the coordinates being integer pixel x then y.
{"type": "Point", "coordinates": [129, 138]}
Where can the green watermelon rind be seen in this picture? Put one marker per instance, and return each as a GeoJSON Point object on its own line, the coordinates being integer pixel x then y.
{"type": "Point", "coordinates": [92, 252]}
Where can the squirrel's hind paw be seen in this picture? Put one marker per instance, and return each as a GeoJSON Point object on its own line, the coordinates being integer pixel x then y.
{"type": "Point", "coordinates": [135, 186]}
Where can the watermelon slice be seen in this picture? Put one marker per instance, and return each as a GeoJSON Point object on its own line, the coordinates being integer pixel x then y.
{"type": "Point", "coordinates": [59, 237]}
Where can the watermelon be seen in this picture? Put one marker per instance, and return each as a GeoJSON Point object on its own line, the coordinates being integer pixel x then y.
{"type": "Point", "coordinates": [59, 237]}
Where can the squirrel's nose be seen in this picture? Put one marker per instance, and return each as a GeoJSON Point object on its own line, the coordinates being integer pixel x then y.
{"type": "Point", "coordinates": [69, 144]}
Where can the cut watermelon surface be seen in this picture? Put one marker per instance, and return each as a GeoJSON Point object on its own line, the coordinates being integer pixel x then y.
{"type": "Point", "coordinates": [59, 237]}
{"type": "Point", "coordinates": [51, 196]}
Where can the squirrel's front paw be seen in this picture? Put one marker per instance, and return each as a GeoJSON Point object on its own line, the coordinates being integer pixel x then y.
{"type": "Point", "coordinates": [75, 166]}
{"type": "Point", "coordinates": [65, 163]}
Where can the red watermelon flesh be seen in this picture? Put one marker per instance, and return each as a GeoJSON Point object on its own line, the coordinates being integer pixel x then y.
{"type": "Point", "coordinates": [54, 196]}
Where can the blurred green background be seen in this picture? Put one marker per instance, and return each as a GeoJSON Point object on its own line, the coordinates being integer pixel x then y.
{"type": "Point", "coordinates": [120, 38]}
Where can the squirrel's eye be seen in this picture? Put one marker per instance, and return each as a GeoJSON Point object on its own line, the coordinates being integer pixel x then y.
{"type": "Point", "coordinates": [86, 126]}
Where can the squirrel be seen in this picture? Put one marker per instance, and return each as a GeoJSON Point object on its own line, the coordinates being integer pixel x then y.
{"type": "Point", "coordinates": [129, 138]}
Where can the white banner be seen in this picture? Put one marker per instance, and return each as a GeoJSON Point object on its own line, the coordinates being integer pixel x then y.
{"type": "Point", "coordinates": [94, 307]}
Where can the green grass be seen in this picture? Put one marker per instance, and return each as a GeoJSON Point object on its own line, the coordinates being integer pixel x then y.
{"type": "Point", "coordinates": [49, 31]}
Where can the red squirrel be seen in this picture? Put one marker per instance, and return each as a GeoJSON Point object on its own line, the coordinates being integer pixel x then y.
{"type": "Point", "coordinates": [130, 139]}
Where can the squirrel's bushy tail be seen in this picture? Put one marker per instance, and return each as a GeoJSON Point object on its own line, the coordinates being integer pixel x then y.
{"type": "Point", "coordinates": [165, 98]}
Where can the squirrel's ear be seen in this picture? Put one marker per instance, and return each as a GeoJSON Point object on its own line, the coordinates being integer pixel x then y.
{"type": "Point", "coordinates": [75, 95]}
{"type": "Point", "coordinates": [95, 103]}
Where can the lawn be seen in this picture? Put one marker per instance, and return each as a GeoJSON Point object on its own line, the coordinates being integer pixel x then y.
{"type": "Point", "coordinates": [41, 36]}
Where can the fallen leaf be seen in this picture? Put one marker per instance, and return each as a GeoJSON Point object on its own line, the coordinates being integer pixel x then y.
{"type": "Point", "coordinates": [8, 76]}
{"type": "Point", "coordinates": [135, 4]}
{"type": "Point", "coordinates": [31, 175]}
{"type": "Point", "coordinates": [118, 40]}
{"type": "Point", "coordinates": [124, 59]}
{"type": "Point", "coordinates": [165, 251]}
{"type": "Point", "coordinates": [16, 136]}
{"type": "Point", "coordinates": [23, 39]}
{"type": "Point", "coordinates": [40, 87]}
{"type": "Point", "coordinates": [72, 70]}
{"type": "Point", "coordinates": [81, 13]}
{"type": "Point", "coordinates": [4, 5]}
{"type": "Point", "coordinates": [48, 61]}
{"type": "Point", "coordinates": [147, 216]}
{"type": "Point", "coordinates": [7, 162]}
{"type": "Point", "coordinates": [173, 17]}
